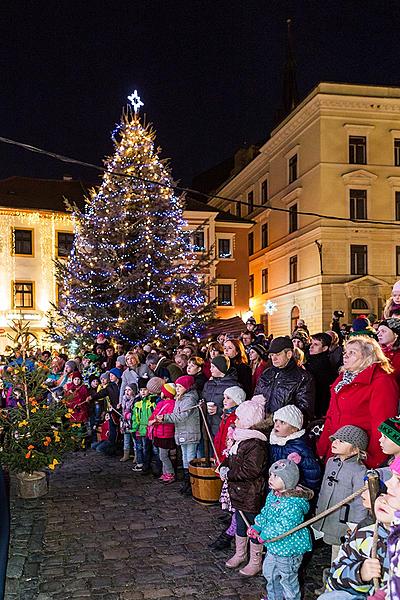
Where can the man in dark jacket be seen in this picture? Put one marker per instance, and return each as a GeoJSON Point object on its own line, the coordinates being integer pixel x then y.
{"type": "Point", "coordinates": [286, 383]}
{"type": "Point", "coordinates": [320, 367]}
{"type": "Point", "coordinates": [222, 377]}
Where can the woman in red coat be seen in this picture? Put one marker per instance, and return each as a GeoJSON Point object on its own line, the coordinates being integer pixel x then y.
{"type": "Point", "coordinates": [364, 394]}
{"type": "Point", "coordinates": [389, 340]}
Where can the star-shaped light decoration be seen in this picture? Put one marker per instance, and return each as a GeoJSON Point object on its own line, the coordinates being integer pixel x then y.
{"type": "Point", "coordinates": [270, 307]}
{"type": "Point", "coordinates": [136, 102]}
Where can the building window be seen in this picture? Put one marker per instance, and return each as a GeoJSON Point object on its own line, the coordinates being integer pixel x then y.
{"type": "Point", "coordinates": [264, 281]}
{"type": "Point", "coordinates": [293, 168]}
{"type": "Point", "coordinates": [224, 294]}
{"type": "Point", "coordinates": [294, 317]}
{"type": "Point", "coordinates": [251, 286]}
{"type": "Point", "coordinates": [251, 243]}
{"type": "Point", "coordinates": [198, 241]}
{"type": "Point", "coordinates": [264, 235]}
{"type": "Point", "coordinates": [293, 269]}
{"type": "Point", "coordinates": [397, 260]}
{"type": "Point", "coordinates": [358, 204]}
{"type": "Point", "coordinates": [64, 244]}
{"type": "Point", "coordinates": [264, 321]}
{"type": "Point", "coordinates": [293, 220]}
{"type": "Point", "coordinates": [264, 191]}
{"type": "Point", "coordinates": [357, 150]}
{"type": "Point", "coordinates": [397, 205]}
{"type": "Point", "coordinates": [396, 144]}
{"type": "Point", "coordinates": [22, 241]}
{"type": "Point", "coordinates": [358, 260]}
{"type": "Point", "coordinates": [250, 202]}
{"type": "Point", "coordinates": [224, 248]}
{"type": "Point", "coordinates": [23, 294]}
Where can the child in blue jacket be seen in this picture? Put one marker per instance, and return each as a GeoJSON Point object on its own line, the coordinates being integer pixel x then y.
{"type": "Point", "coordinates": [285, 507]}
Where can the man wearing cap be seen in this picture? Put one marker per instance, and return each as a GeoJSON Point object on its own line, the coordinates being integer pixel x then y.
{"type": "Point", "coordinates": [286, 383]}
{"type": "Point", "coordinates": [319, 366]}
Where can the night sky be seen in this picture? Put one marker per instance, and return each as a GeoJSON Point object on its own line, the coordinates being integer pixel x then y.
{"type": "Point", "coordinates": [209, 71]}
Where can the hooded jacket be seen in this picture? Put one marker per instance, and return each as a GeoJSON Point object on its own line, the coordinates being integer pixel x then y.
{"type": "Point", "coordinates": [290, 385]}
{"type": "Point", "coordinates": [213, 391]}
{"type": "Point", "coordinates": [186, 421]}
{"type": "Point", "coordinates": [310, 470]}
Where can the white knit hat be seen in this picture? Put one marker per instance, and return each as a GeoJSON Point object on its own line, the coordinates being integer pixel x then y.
{"type": "Point", "coordinates": [291, 415]}
{"type": "Point", "coordinates": [236, 393]}
{"type": "Point", "coordinates": [251, 411]}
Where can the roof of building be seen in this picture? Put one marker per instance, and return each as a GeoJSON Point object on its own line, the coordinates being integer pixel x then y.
{"type": "Point", "coordinates": [193, 202]}
{"type": "Point", "coordinates": [42, 194]}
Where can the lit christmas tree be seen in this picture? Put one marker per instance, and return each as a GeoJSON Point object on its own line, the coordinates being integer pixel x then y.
{"type": "Point", "coordinates": [132, 272]}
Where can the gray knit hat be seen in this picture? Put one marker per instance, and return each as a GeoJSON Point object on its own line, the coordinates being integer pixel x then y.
{"type": "Point", "coordinates": [121, 360]}
{"type": "Point", "coordinates": [287, 470]}
{"type": "Point", "coordinates": [353, 435]}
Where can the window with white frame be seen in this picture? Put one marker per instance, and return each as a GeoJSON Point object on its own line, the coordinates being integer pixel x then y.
{"type": "Point", "coordinates": [224, 246]}
{"type": "Point", "coordinates": [225, 294]}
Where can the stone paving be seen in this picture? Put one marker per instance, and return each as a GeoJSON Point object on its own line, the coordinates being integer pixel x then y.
{"type": "Point", "coordinates": [107, 533]}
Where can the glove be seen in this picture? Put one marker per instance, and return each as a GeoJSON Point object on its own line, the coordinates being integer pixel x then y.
{"type": "Point", "coordinates": [252, 533]}
{"type": "Point", "coordinates": [223, 473]}
{"type": "Point", "coordinates": [260, 540]}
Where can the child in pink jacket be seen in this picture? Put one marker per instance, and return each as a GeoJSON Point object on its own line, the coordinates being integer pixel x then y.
{"type": "Point", "coordinates": [162, 434]}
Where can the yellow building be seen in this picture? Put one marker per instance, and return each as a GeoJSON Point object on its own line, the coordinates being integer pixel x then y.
{"type": "Point", "coordinates": [337, 154]}
{"type": "Point", "coordinates": [35, 229]}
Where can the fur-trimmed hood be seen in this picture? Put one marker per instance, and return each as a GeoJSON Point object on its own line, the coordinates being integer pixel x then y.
{"type": "Point", "coordinates": [265, 426]}
{"type": "Point", "coordinates": [299, 491]}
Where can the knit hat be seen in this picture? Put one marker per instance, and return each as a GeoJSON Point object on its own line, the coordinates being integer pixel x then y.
{"type": "Point", "coordinates": [251, 411]}
{"type": "Point", "coordinates": [105, 375]}
{"type": "Point", "coordinates": [291, 415]}
{"type": "Point", "coordinates": [142, 382]}
{"type": "Point", "coordinates": [280, 343]}
{"type": "Point", "coordinates": [353, 435]}
{"type": "Point", "coordinates": [287, 470]}
{"type": "Point", "coordinates": [261, 351]}
{"type": "Point", "coordinates": [395, 465]}
{"type": "Point", "coordinates": [133, 387]}
{"type": "Point", "coordinates": [116, 372]}
{"type": "Point", "coordinates": [251, 320]}
{"type": "Point", "coordinates": [91, 356]}
{"type": "Point", "coordinates": [93, 378]}
{"type": "Point", "coordinates": [186, 381]}
{"type": "Point", "coordinates": [76, 374]}
{"type": "Point", "coordinates": [235, 393]}
{"type": "Point", "coordinates": [391, 428]}
{"type": "Point", "coordinates": [391, 323]}
{"type": "Point", "coordinates": [301, 334]}
{"type": "Point", "coordinates": [72, 365]}
{"type": "Point", "coordinates": [154, 385]}
{"type": "Point", "coordinates": [360, 323]}
{"type": "Point", "coordinates": [169, 390]}
{"type": "Point", "coordinates": [222, 363]}
{"type": "Point", "coordinates": [121, 360]}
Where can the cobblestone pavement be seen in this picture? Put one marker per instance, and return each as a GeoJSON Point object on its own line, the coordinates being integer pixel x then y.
{"type": "Point", "coordinates": [107, 533]}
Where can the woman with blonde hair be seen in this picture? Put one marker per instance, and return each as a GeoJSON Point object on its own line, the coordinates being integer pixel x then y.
{"type": "Point", "coordinates": [364, 395]}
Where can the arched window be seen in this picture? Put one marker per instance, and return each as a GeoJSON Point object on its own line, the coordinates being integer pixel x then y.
{"type": "Point", "coordinates": [359, 307]}
{"type": "Point", "coordinates": [294, 315]}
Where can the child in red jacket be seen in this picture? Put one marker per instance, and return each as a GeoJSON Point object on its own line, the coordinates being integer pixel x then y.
{"type": "Point", "coordinates": [162, 434]}
{"type": "Point", "coordinates": [78, 393]}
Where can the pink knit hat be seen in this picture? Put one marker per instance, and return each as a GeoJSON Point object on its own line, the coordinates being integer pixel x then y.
{"type": "Point", "coordinates": [251, 412]}
{"type": "Point", "coordinates": [395, 465]}
{"type": "Point", "coordinates": [186, 381]}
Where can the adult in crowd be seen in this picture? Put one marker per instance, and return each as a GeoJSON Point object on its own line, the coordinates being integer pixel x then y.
{"type": "Point", "coordinates": [214, 349]}
{"type": "Point", "coordinates": [236, 353]}
{"type": "Point", "coordinates": [164, 367]}
{"type": "Point", "coordinates": [301, 340]}
{"type": "Point", "coordinates": [248, 338]}
{"type": "Point", "coordinates": [301, 324]}
{"type": "Point", "coordinates": [195, 369]}
{"type": "Point", "coordinates": [258, 363]}
{"type": "Point", "coordinates": [362, 326]}
{"type": "Point", "coordinates": [222, 377]}
{"type": "Point", "coordinates": [335, 350]}
{"type": "Point", "coordinates": [364, 395]}
{"type": "Point", "coordinates": [393, 303]}
{"type": "Point", "coordinates": [389, 340]}
{"type": "Point", "coordinates": [285, 382]}
{"type": "Point", "coordinates": [111, 358]}
{"type": "Point", "coordinates": [319, 365]}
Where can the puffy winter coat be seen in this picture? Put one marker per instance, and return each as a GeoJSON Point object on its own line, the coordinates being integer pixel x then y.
{"type": "Point", "coordinates": [372, 397]}
{"type": "Point", "coordinates": [186, 421]}
{"type": "Point", "coordinates": [213, 391]}
{"type": "Point", "coordinates": [319, 366]}
{"type": "Point", "coordinates": [141, 412]}
{"type": "Point", "coordinates": [309, 467]}
{"type": "Point", "coordinates": [77, 402]}
{"type": "Point", "coordinates": [129, 376]}
{"type": "Point", "coordinates": [163, 430]}
{"type": "Point", "coordinates": [394, 357]}
{"type": "Point", "coordinates": [290, 385]}
{"type": "Point", "coordinates": [227, 420]}
{"type": "Point", "coordinates": [246, 475]}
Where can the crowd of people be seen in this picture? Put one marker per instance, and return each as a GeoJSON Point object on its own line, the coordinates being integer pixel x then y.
{"type": "Point", "coordinates": [294, 422]}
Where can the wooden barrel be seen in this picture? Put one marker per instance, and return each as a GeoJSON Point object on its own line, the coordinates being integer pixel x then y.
{"type": "Point", "coordinates": [206, 485]}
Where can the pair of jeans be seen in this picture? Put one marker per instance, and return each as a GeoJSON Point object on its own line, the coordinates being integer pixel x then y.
{"type": "Point", "coordinates": [167, 467]}
{"type": "Point", "coordinates": [188, 453]}
{"type": "Point", "coordinates": [281, 573]}
{"type": "Point", "coordinates": [143, 451]}
{"type": "Point", "coordinates": [127, 441]}
{"type": "Point", "coordinates": [241, 526]}
{"type": "Point", "coordinates": [342, 595]}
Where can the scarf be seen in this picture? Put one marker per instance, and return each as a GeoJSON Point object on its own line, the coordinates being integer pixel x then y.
{"type": "Point", "coordinates": [281, 441]}
{"type": "Point", "coordinates": [347, 378]}
{"type": "Point", "coordinates": [239, 435]}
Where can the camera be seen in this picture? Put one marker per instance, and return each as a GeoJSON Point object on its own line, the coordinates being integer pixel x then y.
{"type": "Point", "coordinates": [338, 314]}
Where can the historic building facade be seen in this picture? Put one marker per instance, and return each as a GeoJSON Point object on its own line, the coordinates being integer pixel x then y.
{"type": "Point", "coordinates": [336, 157]}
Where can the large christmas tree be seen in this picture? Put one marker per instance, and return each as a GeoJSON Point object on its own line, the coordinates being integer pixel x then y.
{"type": "Point", "coordinates": [132, 272]}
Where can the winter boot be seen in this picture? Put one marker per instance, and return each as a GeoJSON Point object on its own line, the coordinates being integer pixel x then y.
{"type": "Point", "coordinates": [240, 554]}
{"type": "Point", "coordinates": [322, 589]}
{"type": "Point", "coordinates": [186, 482]}
{"type": "Point", "coordinates": [125, 456]}
{"type": "Point", "coordinates": [222, 542]}
{"type": "Point", "coordinates": [188, 487]}
{"type": "Point", "coordinates": [253, 567]}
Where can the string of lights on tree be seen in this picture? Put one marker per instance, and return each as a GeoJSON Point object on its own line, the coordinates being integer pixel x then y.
{"type": "Point", "coordinates": [133, 272]}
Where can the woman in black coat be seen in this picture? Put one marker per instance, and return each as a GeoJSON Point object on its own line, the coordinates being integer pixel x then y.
{"type": "Point", "coordinates": [236, 353]}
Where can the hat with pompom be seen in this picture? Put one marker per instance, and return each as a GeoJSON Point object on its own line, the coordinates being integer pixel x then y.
{"type": "Point", "coordinates": [290, 414]}
{"type": "Point", "coordinates": [251, 412]}
{"type": "Point", "coordinates": [287, 470]}
{"type": "Point", "coordinates": [169, 390]}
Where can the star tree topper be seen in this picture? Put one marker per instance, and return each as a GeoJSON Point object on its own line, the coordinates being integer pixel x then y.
{"type": "Point", "coordinates": [136, 102]}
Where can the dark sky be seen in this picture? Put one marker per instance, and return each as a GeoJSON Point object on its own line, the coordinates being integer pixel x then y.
{"type": "Point", "coordinates": [209, 71]}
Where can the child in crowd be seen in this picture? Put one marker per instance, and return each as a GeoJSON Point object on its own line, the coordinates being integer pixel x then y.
{"type": "Point", "coordinates": [186, 419]}
{"type": "Point", "coordinates": [89, 367]}
{"type": "Point", "coordinates": [286, 506]}
{"type": "Point", "coordinates": [390, 438]}
{"type": "Point", "coordinates": [344, 474]}
{"type": "Point", "coordinates": [288, 436]}
{"type": "Point", "coordinates": [162, 434]}
{"type": "Point", "coordinates": [77, 393]}
{"type": "Point", "coordinates": [143, 406]}
{"type": "Point", "coordinates": [125, 406]}
{"type": "Point", "coordinates": [244, 470]}
{"type": "Point", "coordinates": [96, 407]}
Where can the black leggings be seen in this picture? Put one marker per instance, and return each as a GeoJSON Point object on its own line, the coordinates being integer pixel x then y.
{"type": "Point", "coordinates": [241, 527]}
